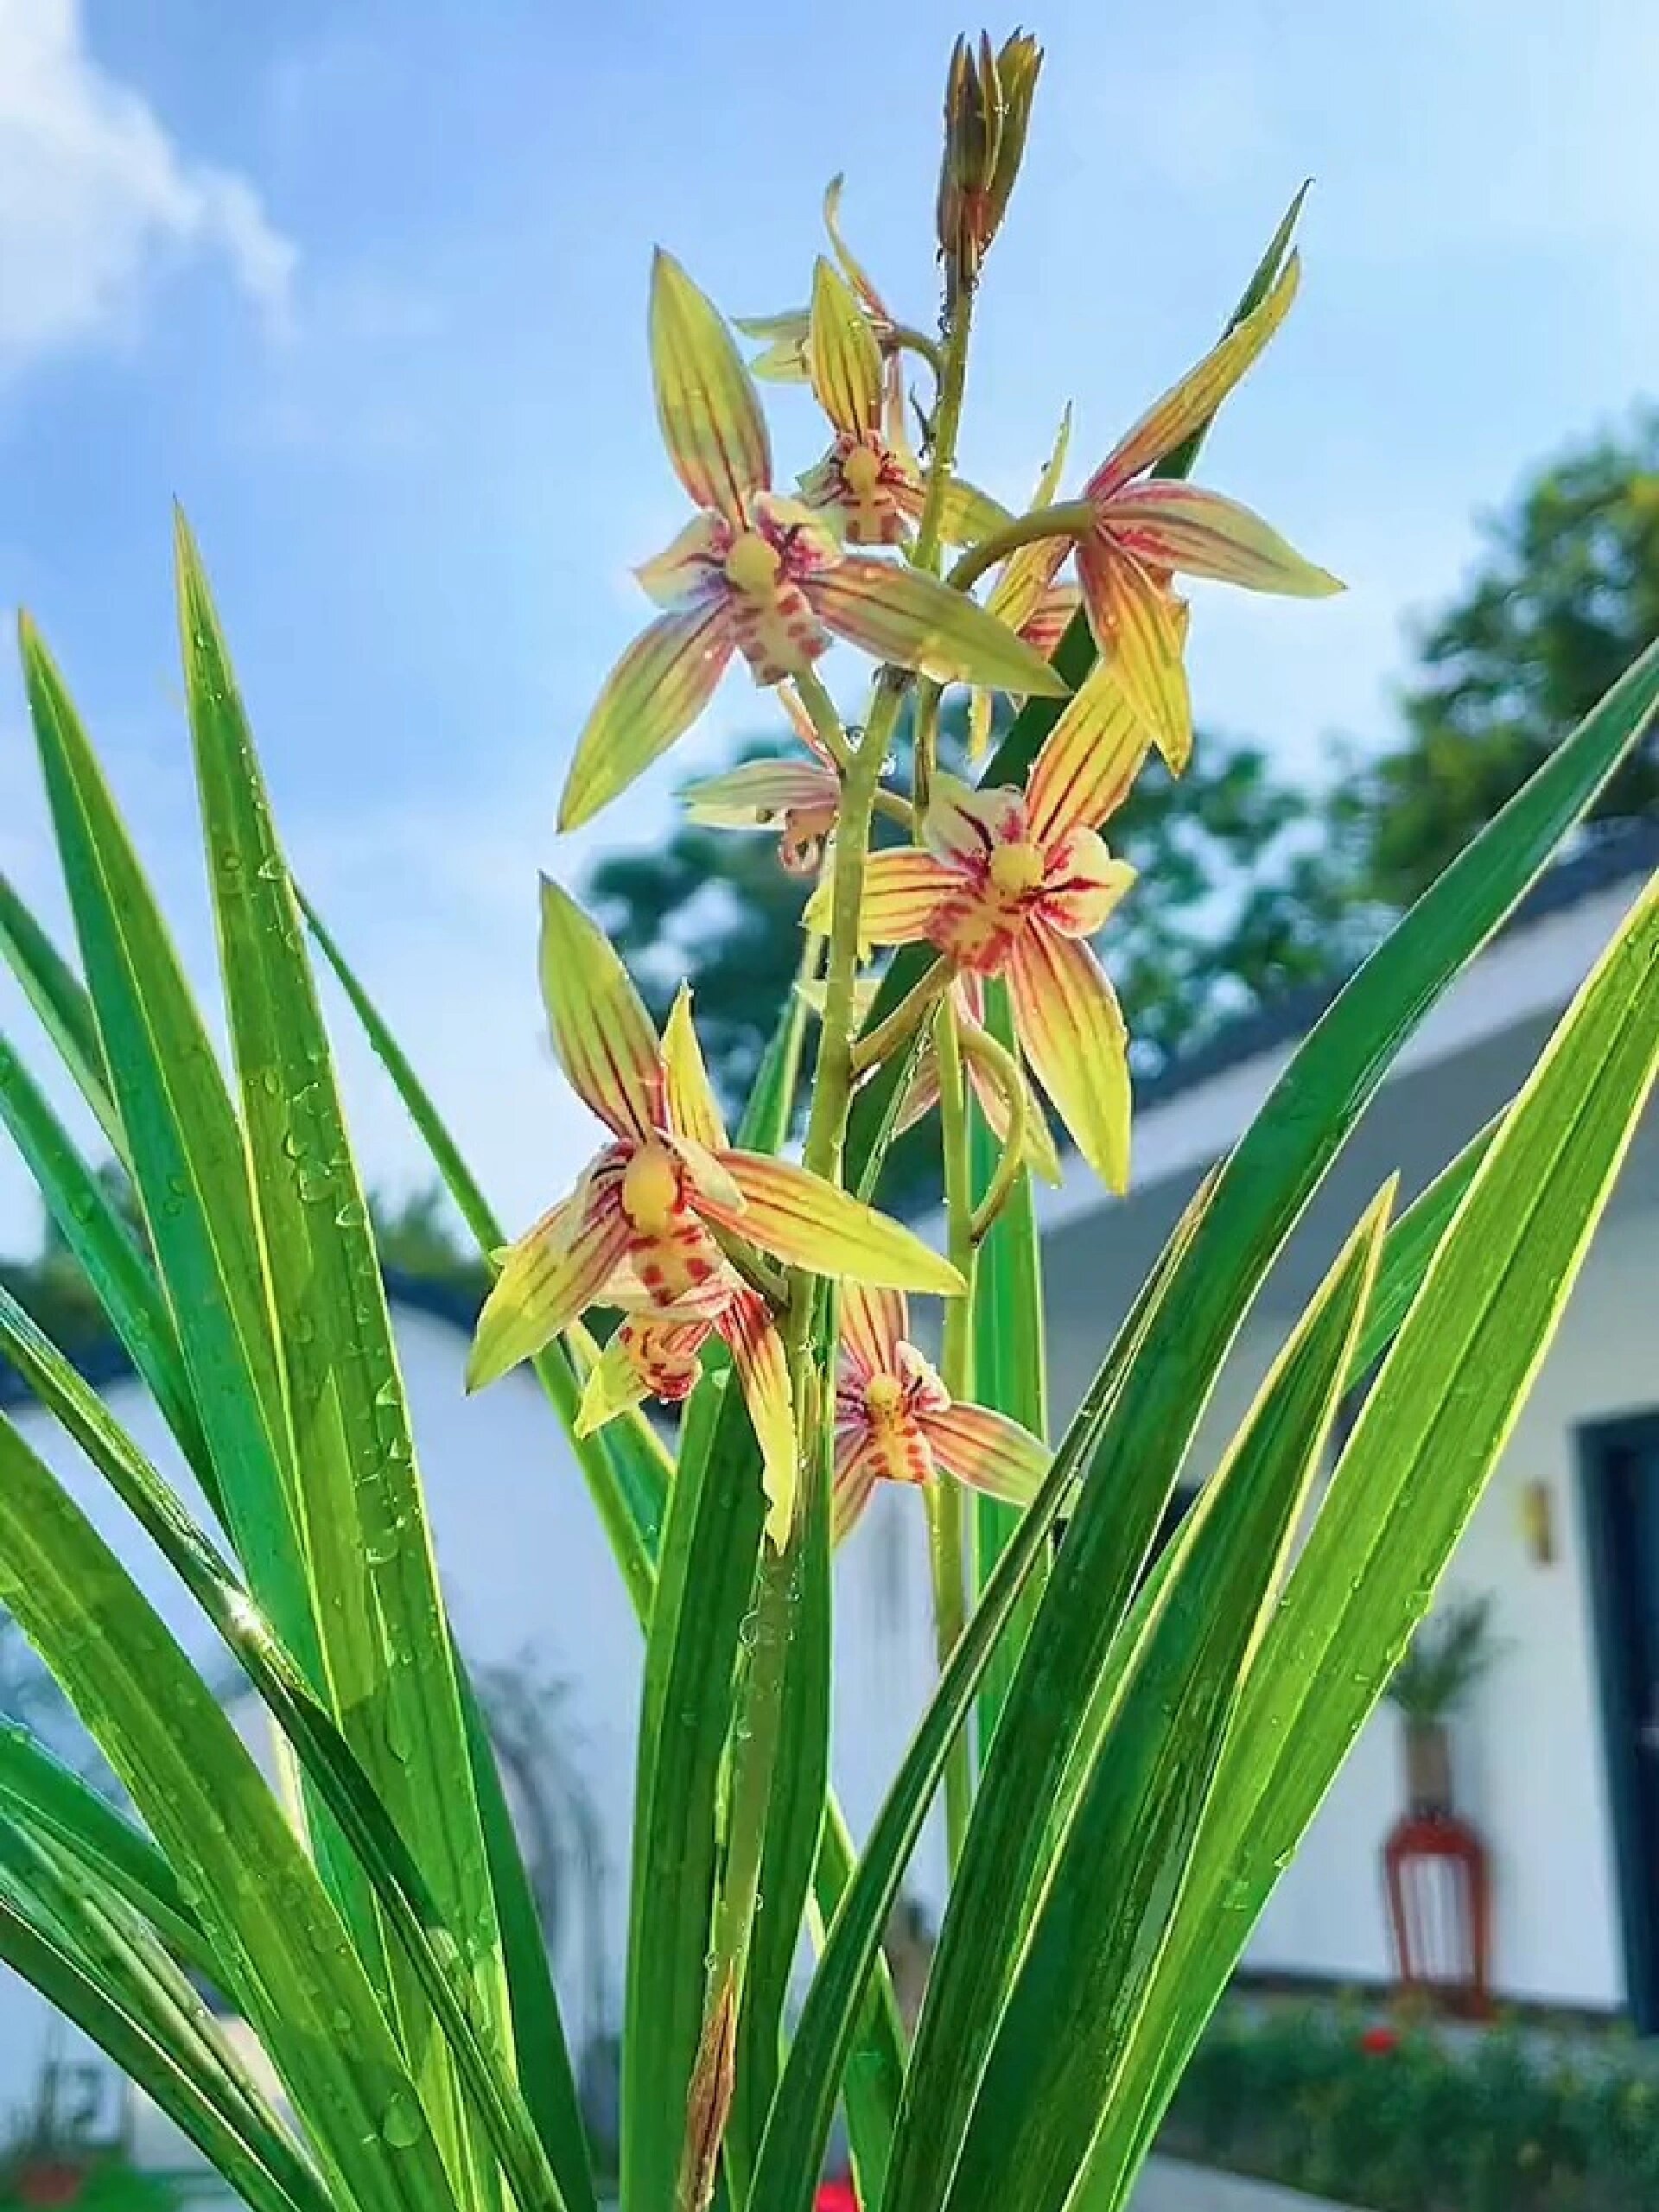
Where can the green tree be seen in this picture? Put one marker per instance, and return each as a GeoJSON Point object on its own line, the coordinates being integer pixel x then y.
{"type": "Point", "coordinates": [1566, 595]}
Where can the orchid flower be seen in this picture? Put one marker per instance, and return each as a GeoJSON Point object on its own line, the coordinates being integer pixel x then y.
{"type": "Point", "coordinates": [895, 1421]}
{"type": "Point", "coordinates": [784, 360]}
{"type": "Point", "coordinates": [1025, 594]}
{"type": "Point", "coordinates": [800, 799]}
{"type": "Point", "coordinates": [1011, 884]}
{"type": "Point", "coordinates": [755, 574]}
{"type": "Point", "coordinates": [1145, 530]}
{"type": "Point", "coordinates": [869, 486]}
{"type": "Point", "coordinates": [645, 1221]}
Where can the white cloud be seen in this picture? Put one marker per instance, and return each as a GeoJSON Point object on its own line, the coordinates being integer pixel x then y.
{"type": "Point", "coordinates": [97, 201]}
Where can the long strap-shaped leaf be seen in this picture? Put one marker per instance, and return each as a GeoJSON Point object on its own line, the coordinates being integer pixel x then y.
{"type": "Point", "coordinates": [1432, 1430]}
{"type": "Point", "coordinates": [386, 1639]}
{"type": "Point", "coordinates": [710, 1547]}
{"type": "Point", "coordinates": [329, 1764]}
{"type": "Point", "coordinates": [58, 997]}
{"type": "Point", "coordinates": [1260, 1195]}
{"type": "Point", "coordinates": [103, 1247]}
{"type": "Point", "coordinates": [186, 1155]}
{"type": "Point", "coordinates": [51, 1799]}
{"type": "Point", "coordinates": [1106, 1909]}
{"type": "Point", "coordinates": [278, 1938]}
{"type": "Point", "coordinates": [103, 1972]}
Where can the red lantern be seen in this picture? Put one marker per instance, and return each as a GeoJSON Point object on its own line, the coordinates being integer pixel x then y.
{"type": "Point", "coordinates": [1440, 1909]}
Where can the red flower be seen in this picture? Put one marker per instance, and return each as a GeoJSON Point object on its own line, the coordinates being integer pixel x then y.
{"type": "Point", "coordinates": [1378, 2042]}
{"type": "Point", "coordinates": [837, 2195]}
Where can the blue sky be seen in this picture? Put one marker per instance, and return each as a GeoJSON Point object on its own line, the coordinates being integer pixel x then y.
{"type": "Point", "coordinates": [362, 282]}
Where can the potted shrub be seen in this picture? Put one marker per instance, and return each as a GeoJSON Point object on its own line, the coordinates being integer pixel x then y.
{"type": "Point", "coordinates": [1451, 1653]}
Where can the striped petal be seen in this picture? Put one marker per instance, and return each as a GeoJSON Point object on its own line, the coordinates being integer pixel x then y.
{"type": "Point", "coordinates": [851, 268]}
{"type": "Point", "coordinates": [688, 1094]}
{"type": "Point", "coordinates": [1178, 526]}
{"type": "Point", "coordinates": [606, 1041]}
{"type": "Point", "coordinates": [706, 403]}
{"type": "Point", "coordinates": [763, 1376]}
{"type": "Point", "coordinates": [1042, 1155]}
{"type": "Point", "coordinates": [902, 891]}
{"type": "Point", "coordinates": [651, 1355]}
{"type": "Point", "coordinates": [844, 360]}
{"type": "Point", "coordinates": [757, 795]}
{"type": "Point", "coordinates": [1188, 405]}
{"type": "Point", "coordinates": [1085, 883]}
{"type": "Point", "coordinates": [652, 696]}
{"type": "Point", "coordinates": [856, 1475]}
{"type": "Point", "coordinates": [546, 1281]}
{"type": "Point", "coordinates": [873, 1323]}
{"type": "Point", "coordinates": [1089, 760]}
{"type": "Point", "coordinates": [1072, 1032]}
{"type": "Point", "coordinates": [971, 514]}
{"type": "Point", "coordinates": [964, 823]}
{"type": "Point", "coordinates": [988, 1451]}
{"type": "Point", "coordinates": [807, 1222]}
{"type": "Point", "coordinates": [1137, 627]}
{"type": "Point", "coordinates": [1051, 618]}
{"type": "Point", "coordinates": [783, 360]}
{"type": "Point", "coordinates": [689, 569]}
{"type": "Point", "coordinates": [914, 622]}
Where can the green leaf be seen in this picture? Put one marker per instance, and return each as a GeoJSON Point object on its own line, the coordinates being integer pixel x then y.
{"type": "Point", "coordinates": [283, 1946]}
{"type": "Point", "coordinates": [1106, 1904]}
{"type": "Point", "coordinates": [710, 1548]}
{"type": "Point", "coordinates": [329, 1763]}
{"type": "Point", "coordinates": [58, 997]}
{"type": "Point", "coordinates": [1409, 1477]}
{"type": "Point", "coordinates": [624, 1463]}
{"type": "Point", "coordinates": [51, 1799]}
{"type": "Point", "coordinates": [187, 1154]}
{"type": "Point", "coordinates": [102, 1246]}
{"type": "Point", "coordinates": [1010, 1362]}
{"type": "Point", "coordinates": [385, 1636]}
{"type": "Point", "coordinates": [1139, 1449]}
{"type": "Point", "coordinates": [838, 2000]}
{"type": "Point", "coordinates": [109, 1975]}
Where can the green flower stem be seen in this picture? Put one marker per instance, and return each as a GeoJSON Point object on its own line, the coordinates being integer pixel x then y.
{"type": "Point", "coordinates": [927, 550]}
{"type": "Point", "coordinates": [758, 1721]}
{"type": "Point", "coordinates": [917, 342]}
{"type": "Point", "coordinates": [1071, 519]}
{"type": "Point", "coordinates": [1000, 1064]}
{"type": "Point", "coordinates": [947, 1525]}
{"type": "Point", "coordinates": [820, 712]}
{"type": "Point", "coordinates": [901, 1025]}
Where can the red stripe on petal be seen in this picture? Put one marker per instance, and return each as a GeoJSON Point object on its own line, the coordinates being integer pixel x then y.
{"type": "Point", "coordinates": [653, 695]}
{"type": "Point", "coordinates": [1073, 1034]}
{"type": "Point", "coordinates": [604, 1039]}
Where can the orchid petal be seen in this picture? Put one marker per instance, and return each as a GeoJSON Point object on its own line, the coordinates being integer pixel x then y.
{"type": "Point", "coordinates": [856, 1474]}
{"type": "Point", "coordinates": [1084, 884]}
{"type": "Point", "coordinates": [784, 360]}
{"type": "Point", "coordinates": [615, 1382]}
{"type": "Point", "coordinates": [1051, 618]}
{"type": "Point", "coordinates": [763, 1376]}
{"type": "Point", "coordinates": [1041, 1152]}
{"type": "Point", "coordinates": [902, 890]}
{"type": "Point", "coordinates": [1054, 467]}
{"type": "Point", "coordinates": [688, 569]}
{"type": "Point", "coordinates": [606, 1041]}
{"type": "Point", "coordinates": [548, 1278]}
{"type": "Point", "coordinates": [1090, 759]}
{"type": "Point", "coordinates": [851, 268]}
{"type": "Point", "coordinates": [706, 403]}
{"type": "Point", "coordinates": [1137, 629]}
{"type": "Point", "coordinates": [872, 1326]}
{"type": "Point", "coordinates": [652, 696]}
{"type": "Point", "coordinates": [970, 514]}
{"type": "Point", "coordinates": [1189, 404]}
{"type": "Point", "coordinates": [756, 796]}
{"type": "Point", "coordinates": [988, 1451]}
{"type": "Point", "coordinates": [688, 1095]}
{"type": "Point", "coordinates": [914, 622]}
{"type": "Point", "coordinates": [963, 824]}
{"type": "Point", "coordinates": [844, 360]}
{"type": "Point", "coordinates": [1178, 526]}
{"type": "Point", "coordinates": [807, 1222]}
{"type": "Point", "coordinates": [1073, 1034]}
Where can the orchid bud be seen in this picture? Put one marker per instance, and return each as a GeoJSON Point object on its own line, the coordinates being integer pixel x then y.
{"type": "Point", "coordinates": [986, 114]}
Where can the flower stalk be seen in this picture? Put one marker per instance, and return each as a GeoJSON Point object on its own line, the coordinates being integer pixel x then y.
{"type": "Point", "coordinates": [947, 1521]}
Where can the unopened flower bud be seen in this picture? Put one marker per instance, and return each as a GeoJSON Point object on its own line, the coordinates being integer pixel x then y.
{"type": "Point", "coordinates": [986, 114]}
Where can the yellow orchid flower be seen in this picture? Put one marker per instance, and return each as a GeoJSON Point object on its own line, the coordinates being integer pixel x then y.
{"type": "Point", "coordinates": [1010, 885]}
{"type": "Point", "coordinates": [1025, 594]}
{"type": "Point", "coordinates": [869, 486]}
{"type": "Point", "coordinates": [756, 574]}
{"type": "Point", "coordinates": [786, 336]}
{"type": "Point", "coordinates": [800, 799]}
{"type": "Point", "coordinates": [644, 1223]}
{"type": "Point", "coordinates": [895, 1421]}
